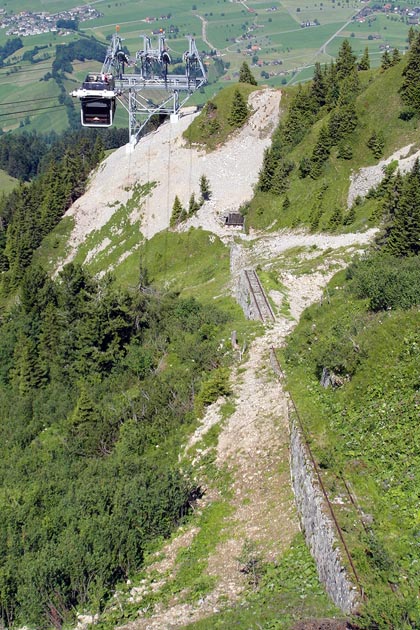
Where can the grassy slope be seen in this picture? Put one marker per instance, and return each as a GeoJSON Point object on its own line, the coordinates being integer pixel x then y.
{"type": "Point", "coordinates": [202, 130]}
{"type": "Point", "coordinates": [332, 187]}
{"type": "Point", "coordinates": [7, 183]}
{"type": "Point", "coordinates": [360, 431]}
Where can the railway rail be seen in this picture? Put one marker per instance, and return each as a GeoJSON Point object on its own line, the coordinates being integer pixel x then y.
{"type": "Point", "coordinates": [259, 296]}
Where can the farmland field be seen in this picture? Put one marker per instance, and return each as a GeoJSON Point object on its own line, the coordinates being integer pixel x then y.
{"type": "Point", "coordinates": [281, 41]}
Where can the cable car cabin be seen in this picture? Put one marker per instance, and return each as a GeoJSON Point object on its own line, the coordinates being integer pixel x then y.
{"type": "Point", "coordinates": [97, 100]}
{"type": "Point", "coordinates": [97, 112]}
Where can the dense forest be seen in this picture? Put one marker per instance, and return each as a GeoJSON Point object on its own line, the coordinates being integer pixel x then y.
{"type": "Point", "coordinates": [89, 402]}
{"type": "Point", "coordinates": [54, 171]}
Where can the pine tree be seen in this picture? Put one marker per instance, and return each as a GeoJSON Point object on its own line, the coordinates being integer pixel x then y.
{"type": "Point", "coordinates": [320, 152]}
{"type": "Point", "coordinates": [84, 425]}
{"type": "Point", "coordinates": [280, 181]}
{"type": "Point", "coordinates": [304, 167]}
{"type": "Point", "coordinates": [98, 153]}
{"type": "Point", "coordinates": [396, 56]}
{"type": "Point", "coordinates": [25, 374]}
{"type": "Point", "coordinates": [364, 63]}
{"type": "Point", "coordinates": [346, 61]}
{"type": "Point", "coordinates": [286, 203]}
{"type": "Point", "coordinates": [318, 87]}
{"type": "Point", "coordinates": [332, 83]}
{"type": "Point", "coordinates": [205, 188]}
{"type": "Point", "coordinates": [239, 110]}
{"type": "Point", "coordinates": [386, 61]}
{"type": "Point", "coordinates": [178, 213]}
{"type": "Point", "coordinates": [376, 143]}
{"type": "Point", "coordinates": [245, 75]}
{"type": "Point", "coordinates": [411, 35]}
{"type": "Point", "coordinates": [267, 171]}
{"type": "Point", "coordinates": [336, 218]}
{"type": "Point", "coordinates": [410, 89]}
{"type": "Point", "coordinates": [403, 234]}
{"type": "Point", "coordinates": [193, 205]}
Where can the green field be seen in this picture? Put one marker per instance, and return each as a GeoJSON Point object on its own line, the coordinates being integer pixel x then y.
{"type": "Point", "coordinates": [7, 183]}
{"type": "Point", "coordinates": [270, 36]}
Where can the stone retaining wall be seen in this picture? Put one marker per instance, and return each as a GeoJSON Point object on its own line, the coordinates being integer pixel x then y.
{"type": "Point", "coordinates": [318, 527]}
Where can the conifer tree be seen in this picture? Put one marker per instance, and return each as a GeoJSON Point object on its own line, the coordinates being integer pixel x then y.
{"type": "Point", "coordinates": [336, 218]}
{"type": "Point", "coordinates": [364, 63]}
{"type": "Point", "coordinates": [98, 153]}
{"type": "Point", "coordinates": [346, 60]}
{"type": "Point", "coordinates": [84, 425]}
{"type": "Point", "coordinates": [245, 75]}
{"type": "Point", "coordinates": [267, 170]}
{"type": "Point", "coordinates": [193, 205]}
{"type": "Point", "coordinates": [239, 110]}
{"type": "Point", "coordinates": [320, 152]}
{"type": "Point", "coordinates": [24, 374]}
{"type": "Point", "coordinates": [318, 87]}
{"type": "Point", "coordinates": [332, 83]}
{"type": "Point", "coordinates": [386, 61]}
{"type": "Point", "coordinates": [178, 213]}
{"type": "Point", "coordinates": [345, 151]}
{"type": "Point", "coordinates": [376, 143]}
{"type": "Point", "coordinates": [280, 181]}
{"type": "Point", "coordinates": [403, 234]}
{"type": "Point", "coordinates": [410, 89]}
{"type": "Point", "coordinates": [205, 188]}
{"type": "Point", "coordinates": [396, 56]}
{"type": "Point", "coordinates": [411, 35]}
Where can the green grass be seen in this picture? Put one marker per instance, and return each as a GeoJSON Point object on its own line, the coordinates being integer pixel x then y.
{"type": "Point", "coordinates": [212, 128]}
{"type": "Point", "coordinates": [54, 247]}
{"type": "Point", "coordinates": [360, 431]}
{"type": "Point", "coordinates": [7, 183]}
{"type": "Point", "coordinates": [330, 191]}
{"type": "Point", "coordinates": [287, 592]}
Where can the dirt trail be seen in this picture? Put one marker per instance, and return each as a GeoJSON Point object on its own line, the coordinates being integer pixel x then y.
{"type": "Point", "coordinates": [253, 445]}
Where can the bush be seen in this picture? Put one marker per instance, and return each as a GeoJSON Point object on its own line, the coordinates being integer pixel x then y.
{"type": "Point", "coordinates": [215, 385]}
{"type": "Point", "coordinates": [387, 281]}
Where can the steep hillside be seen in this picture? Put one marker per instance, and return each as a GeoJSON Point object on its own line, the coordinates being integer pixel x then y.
{"type": "Point", "coordinates": [174, 168]}
{"type": "Point", "coordinates": [149, 391]}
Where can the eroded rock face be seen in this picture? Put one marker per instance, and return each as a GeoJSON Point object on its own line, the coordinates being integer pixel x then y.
{"type": "Point", "coordinates": [369, 177]}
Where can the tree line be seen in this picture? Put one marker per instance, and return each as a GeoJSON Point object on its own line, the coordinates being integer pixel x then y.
{"type": "Point", "coordinates": [33, 209]}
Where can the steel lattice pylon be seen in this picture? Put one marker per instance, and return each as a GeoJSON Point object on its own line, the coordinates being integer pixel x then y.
{"type": "Point", "coordinates": [150, 89]}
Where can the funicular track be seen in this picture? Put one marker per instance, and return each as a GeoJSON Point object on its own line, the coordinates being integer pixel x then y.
{"type": "Point", "coordinates": [259, 296]}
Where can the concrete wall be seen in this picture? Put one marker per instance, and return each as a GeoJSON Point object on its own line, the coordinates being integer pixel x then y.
{"type": "Point", "coordinates": [317, 525]}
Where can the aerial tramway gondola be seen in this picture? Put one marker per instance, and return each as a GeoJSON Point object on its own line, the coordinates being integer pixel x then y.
{"type": "Point", "coordinates": [97, 99]}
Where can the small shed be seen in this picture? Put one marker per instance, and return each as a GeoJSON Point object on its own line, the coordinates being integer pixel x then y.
{"type": "Point", "coordinates": [234, 219]}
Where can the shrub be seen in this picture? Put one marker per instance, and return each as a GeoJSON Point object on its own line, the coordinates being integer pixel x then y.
{"type": "Point", "coordinates": [387, 281]}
